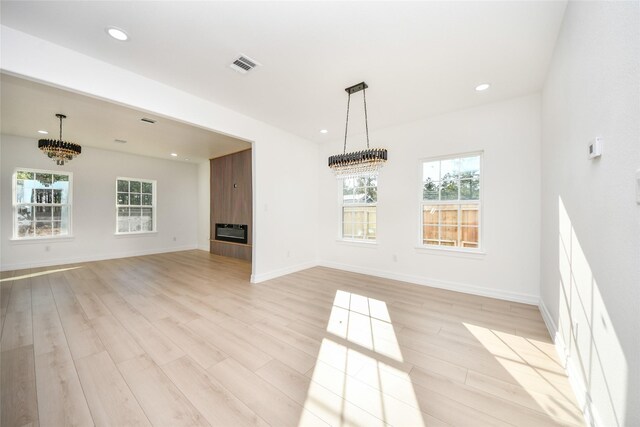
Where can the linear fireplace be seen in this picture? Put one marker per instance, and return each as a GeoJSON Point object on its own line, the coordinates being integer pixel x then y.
{"type": "Point", "coordinates": [236, 233]}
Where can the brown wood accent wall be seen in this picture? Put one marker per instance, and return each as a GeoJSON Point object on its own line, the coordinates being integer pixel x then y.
{"type": "Point", "coordinates": [231, 201]}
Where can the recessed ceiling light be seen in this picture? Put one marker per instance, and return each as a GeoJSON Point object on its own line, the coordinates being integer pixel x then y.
{"type": "Point", "coordinates": [44, 132]}
{"type": "Point", "coordinates": [117, 34]}
{"type": "Point", "coordinates": [323, 131]}
{"type": "Point", "coordinates": [174, 155]}
{"type": "Point", "coordinates": [483, 86]}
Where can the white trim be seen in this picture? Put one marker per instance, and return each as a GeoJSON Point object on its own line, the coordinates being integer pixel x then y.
{"type": "Point", "coordinates": [451, 156]}
{"type": "Point", "coordinates": [89, 258]}
{"type": "Point", "coordinates": [135, 234]}
{"type": "Point", "coordinates": [451, 251]}
{"type": "Point", "coordinates": [258, 278]}
{"type": "Point", "coordinates": [548, 321]}
{"type": "Point", "coordinates": [15, 204]}
{"type": "Point", "coordinates": [342, 205]}
{"type": "Point", "coordinates": [589, 411]}
{"type": "Point", "coordinates": [480, 202]}
{"type": "Point", "coordinates": [435, 283]}
{"type": "Point", "coordinates": [371, 244]}
{"type": "Point", "coordinates": [154, 204]}
{"type": "Point", "coordinates": [417, 280]}
{"type": "Point", "coordinates": [47, 239]}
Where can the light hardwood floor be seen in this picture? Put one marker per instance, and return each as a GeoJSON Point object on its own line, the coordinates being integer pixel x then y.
{"type": "Point", "coordinates": [184, 339]}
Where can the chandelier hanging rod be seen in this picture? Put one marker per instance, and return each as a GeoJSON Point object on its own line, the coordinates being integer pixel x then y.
{"type": "Point", "coordinates": [362, 162]}
{"type": "Point", "coordinates": [362, 86]}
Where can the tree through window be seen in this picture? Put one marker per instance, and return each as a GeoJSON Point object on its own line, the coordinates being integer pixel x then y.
{"type": "Point", "coordinates": [359, 205]}
{"type": "Point", "coordinates": [42, 204]}
{"type": "Point", "coordinates": [451, 202]}
{"type": "Point", "coordinates": [135, 206]}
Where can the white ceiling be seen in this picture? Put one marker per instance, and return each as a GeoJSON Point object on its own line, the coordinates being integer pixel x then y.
{"type": "Point", "coordinates": [419, 58]}
{"type": "Point", "coordinates": [28, 107]}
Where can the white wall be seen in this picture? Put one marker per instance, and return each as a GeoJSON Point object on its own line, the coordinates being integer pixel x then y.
{"type": "Point", "coordinates": [93, 209]}
{"type": "Point", "coordinates": [590, 270]}
{"type": "Point", "coordinates": [509, 134]}
{"type": "Point", "coordinates": [285, 171]}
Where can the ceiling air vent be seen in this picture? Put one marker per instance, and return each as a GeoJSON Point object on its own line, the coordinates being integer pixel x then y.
{"type": "Point", "coordinates": [146, 120]}
{"type": "Point", "coordinates": [243, 64]}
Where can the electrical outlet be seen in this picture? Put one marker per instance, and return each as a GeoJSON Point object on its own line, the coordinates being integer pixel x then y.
{"type": "Point", "coordinates": [175, 238]}
{"type": "Point", "coordinates": [395, 258]}
{"type": "Point", "coordinates": [595, 148]}
{"type": "Point", "coordinates": [47, 248]}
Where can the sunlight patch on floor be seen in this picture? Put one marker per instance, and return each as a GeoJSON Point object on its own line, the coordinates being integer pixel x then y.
{"type": "Point", "coordinates": [359, 377]}
{"type": "Point", "coordinates": [39, 273]}
{"type": "Point", "coordinates": [364, 321]}
{"type": "Point", "coordinates": [533, 369]}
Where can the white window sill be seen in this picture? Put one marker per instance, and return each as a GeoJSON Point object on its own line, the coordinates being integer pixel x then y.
{"type": "Point", "coordinates": [138, 234]}
{"type": "Point", "coordinates": [359, 243]}
{"type": "Point", "coordinates": [35, 240]}
{"type": "Point", "coordinates": [459, 252]}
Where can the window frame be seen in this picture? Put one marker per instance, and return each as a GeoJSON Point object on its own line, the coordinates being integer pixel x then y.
{"type": "Point", "coordinates": [153, 206]}
{"type": "Point", "coordinates": [15, 205]}
{"type": "Point", "coordinates": [342, 205]}
{"type": "Point", "coordinates": [480, 202]}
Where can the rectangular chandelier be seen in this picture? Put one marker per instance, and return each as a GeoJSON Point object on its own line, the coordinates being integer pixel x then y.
{"type": "Point", "coordinates": [357, 163]}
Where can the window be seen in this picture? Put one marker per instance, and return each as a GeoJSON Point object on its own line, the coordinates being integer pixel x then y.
{"type": "Point", "coordinates": [135, 206]}
{"type": "Point", "coordinates": [359, 199]}
{"type": "Point", "coordinates": [41, 204]}
{"type": "Point", "coordinates": [450, 213]}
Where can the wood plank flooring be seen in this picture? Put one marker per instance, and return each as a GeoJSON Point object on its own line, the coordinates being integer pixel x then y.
{"type": "Point", "coordinates": [184, 339]}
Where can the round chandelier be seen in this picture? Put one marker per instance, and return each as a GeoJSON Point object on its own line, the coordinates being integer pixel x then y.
{"type": "Point", "coordinates": [59, 150]}
{"type": "Point", "coordinates": [357, 163]}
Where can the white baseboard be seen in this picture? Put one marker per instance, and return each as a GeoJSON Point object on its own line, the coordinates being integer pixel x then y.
{"type": "Point", "coordinates": [88, 258]}
{"type": "Point", "coordinates": [589, 412]}
{"type": "Point", "coordinates": [548, 320]}
{"type": "Point", "coordinates": [418, 280]}
{"type": "Point", "coordinates": [257, 278]}
{"type": "Point", "coordinates": [435, 283]}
